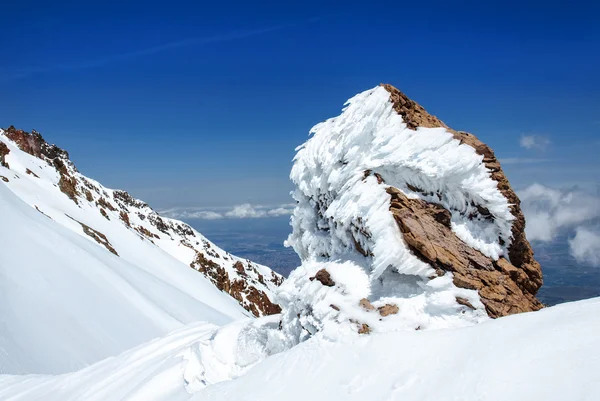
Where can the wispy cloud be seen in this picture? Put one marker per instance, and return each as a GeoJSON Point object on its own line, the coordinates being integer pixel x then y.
{"type": "Point", "coordinates": [585, 246]}
{"type": "Point", "coordinates": [538, 142]}
{"type": "Point", "coordinates": [523, 160]}
{"type": "Point", "coordinates": [243, 211]}
{"type": "Point", "coordinates": [7, 76]}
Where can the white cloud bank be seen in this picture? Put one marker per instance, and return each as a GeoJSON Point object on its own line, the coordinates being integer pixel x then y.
{"type": "Point", "coordinates": [538, 142]}
{"type": "Point", "coordinates": [243, 211]}
{"type": "Point", "coordinates": [550, 212]}
{"type": "Point", "coordinates": [585, 246]}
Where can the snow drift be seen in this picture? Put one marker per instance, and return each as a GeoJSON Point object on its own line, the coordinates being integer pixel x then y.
{"type": "Point", "coordinates": [547, 355]}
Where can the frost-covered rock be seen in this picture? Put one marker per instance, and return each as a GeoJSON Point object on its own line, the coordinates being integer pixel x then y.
{"type": "Point", "coordinates": [423, 211]}
{"type": "Point", "coordinates": [44, 177]}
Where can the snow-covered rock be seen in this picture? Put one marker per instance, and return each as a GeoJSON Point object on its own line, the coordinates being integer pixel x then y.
{"type": "Point", "coordinates": [43, 176]}
{"type": "Point", "coordinates": [423, 211]}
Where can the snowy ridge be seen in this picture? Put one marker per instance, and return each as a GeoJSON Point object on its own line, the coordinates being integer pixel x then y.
{"type": "Point", "coordinates": [122, 224]}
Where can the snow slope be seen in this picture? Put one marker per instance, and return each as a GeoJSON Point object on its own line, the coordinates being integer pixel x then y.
{"type": "Point", "coordinates": [65, 302]}
{"type": "Point", "coordinates": [130, 227]}
{"type": "Point", "coordinates": [545, 355]}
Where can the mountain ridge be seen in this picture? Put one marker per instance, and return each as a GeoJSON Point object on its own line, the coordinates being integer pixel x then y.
{"type": "Point", "coordinates": [249, 283]}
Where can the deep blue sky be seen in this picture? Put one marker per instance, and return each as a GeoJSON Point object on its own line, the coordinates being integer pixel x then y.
{"type": "Point", "coordinates": [203, 105]}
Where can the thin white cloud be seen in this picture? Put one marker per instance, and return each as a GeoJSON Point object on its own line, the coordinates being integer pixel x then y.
{"type": "Point", "coordinates": [207, 215]}
{"type": "Point", "coordinates": [281, 211]}
{"type": "Point", "coordinates": [585, 246]}
{"type": "Point", "coordinates": [537, 142]}
{"type": "Point", "coordinates": [243, 211]}
{"type": "Point", "coordinates": [523, 160]}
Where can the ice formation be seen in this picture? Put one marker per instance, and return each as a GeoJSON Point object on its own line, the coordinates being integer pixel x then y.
{"type": "Point", "coordinates": [342, 216]}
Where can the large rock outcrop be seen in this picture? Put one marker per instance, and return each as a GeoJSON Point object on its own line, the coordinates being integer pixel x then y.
{"type": "Point", "coordinates": [505, 287]}
{"type": "Point", "coordinates": [407, 215]}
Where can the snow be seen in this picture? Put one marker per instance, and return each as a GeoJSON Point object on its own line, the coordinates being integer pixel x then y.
{"type": "Point", "coordinates": [310, 307]}
{"type": "Point", "coordinates": [545, 355]}
{"type": "Point", "coordinates": [341, 203]}
{"type": "Point", "coordinates": [178, 242]}
{"type": "Point", "coordinates": [65, 302]}
{"type": "Point", "coordinates": [329, 172]}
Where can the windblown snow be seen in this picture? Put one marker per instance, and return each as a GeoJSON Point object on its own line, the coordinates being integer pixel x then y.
{"type": "Point", "coordinates": [540, 356]}
{"type": "Point", "coordinates": [332, 175]}
{"type": "Point", "coordinates": [342, 217]}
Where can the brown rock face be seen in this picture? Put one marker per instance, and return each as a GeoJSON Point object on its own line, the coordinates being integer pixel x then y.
{"type": "Point", "coordinates": [245, 283]}
{"type": "Point", "coordinates": [324, 278]}
{"type": "Point", "coordinates": [366, 304]}
{"type": "Point", "coordinates": [95, 235]}
{"type": "Point", "coordinates": [105, 204]}
{"type": "Point", "coordinates": [504, 287]}
{"type": "Point", "coordinates": [27, 171]}
{"type": "Point", "coordinates": [4, 150]}
{"type": "Point", "coordinates": [35, 145]}
{"type": "Point", "coordinates": [364, 328]}
{"type": "Point", "coordinates": [388, 309]}
{"type": "Point", "coordinates": [125, 218]}
{"type": "Point", "coordinates": [256, 301]}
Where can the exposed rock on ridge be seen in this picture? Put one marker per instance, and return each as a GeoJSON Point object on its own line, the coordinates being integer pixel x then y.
{"type": "Point", "coordinates": [504, 287]}
{"type": "Point", "coordinates": [250, 284]}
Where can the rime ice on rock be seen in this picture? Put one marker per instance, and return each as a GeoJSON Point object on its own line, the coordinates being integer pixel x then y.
{"type": "Point", "coordinates": [404, 211]}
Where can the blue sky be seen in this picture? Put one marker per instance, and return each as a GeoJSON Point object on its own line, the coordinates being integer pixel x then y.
{"type": "Point", "coordinates": [202, 105]}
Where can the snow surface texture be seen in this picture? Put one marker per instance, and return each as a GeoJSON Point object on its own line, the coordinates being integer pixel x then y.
{"type": "Point", "coordinates": [341, 204]}
{"type": "Point", "coordinates": [146, 237]}
{"type": "Point", "coordinates": [539, 356]}
{"type": "Point", "coordinates": [65, 302]}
